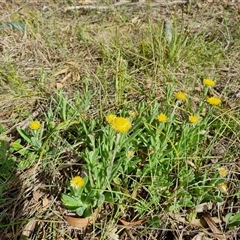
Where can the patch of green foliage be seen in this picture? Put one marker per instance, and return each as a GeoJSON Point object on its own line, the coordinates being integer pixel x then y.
{"type": "Point", "coordinates": [156, 162]}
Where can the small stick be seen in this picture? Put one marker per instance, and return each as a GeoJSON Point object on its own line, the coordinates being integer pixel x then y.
{"type": "Point", "coordinates": [103, 8]}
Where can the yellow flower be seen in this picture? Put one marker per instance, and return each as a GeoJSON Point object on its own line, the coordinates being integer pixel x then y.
{"type": "Point", "coordinates": [120, 124]}
{"type": "Point", "coordinates": [214, 101]}
{"type": "Point", "coordinates": [209, 82]}
{"type": "Point", "coordinates": [35, 125]}
{"type": "Point", "coordinates": [193, 119]}
{"type": "Point", "coordinates": [223, 187]}
{"type": "Point", "coordinates": [77, 182]}
{"type": "Point", "coordinates": [162, 118]}
{"type": "Point", "coordinates": [129, 154]}
{"type": "Point", "coordinates": [223, 171]}
{"type": "Point", "coordinates": [110, 118]}
{"type": "Point", "coordinates": [181, 96]}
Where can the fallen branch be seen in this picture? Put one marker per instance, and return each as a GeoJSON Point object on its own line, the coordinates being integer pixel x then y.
{"type": "Point", "coordinates": [119, 4]}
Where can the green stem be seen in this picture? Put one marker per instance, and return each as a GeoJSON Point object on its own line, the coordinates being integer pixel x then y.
{"type": "Point", "coordinates": [110, 167]}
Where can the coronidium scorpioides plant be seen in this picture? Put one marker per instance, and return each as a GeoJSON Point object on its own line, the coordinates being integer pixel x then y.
{"type": "Point", "coordinates": [33, 137]}
{"type": "Point", "coordinates": [153, 148]}
{"type": "Point", "coordinates": [103, 164]}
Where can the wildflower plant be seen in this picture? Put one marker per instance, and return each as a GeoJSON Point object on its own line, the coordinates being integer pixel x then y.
{"type": "Point", "coordinates": [33, 134]}
{"type": "Point", "coordinates": [30, 145]}
{"type": "Point", "coordinates": [106, 158]}
{"type": "Point", "coordinates": [153, 147]}
{"type": "Point", "coordinates": [80, 198]}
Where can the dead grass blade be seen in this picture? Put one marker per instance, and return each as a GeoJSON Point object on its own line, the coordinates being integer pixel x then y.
{"type": "Point", "coordinates": [211, 224]}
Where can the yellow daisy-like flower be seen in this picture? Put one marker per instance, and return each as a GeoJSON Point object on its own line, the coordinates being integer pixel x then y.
{"type": "Point", "coordinates": [223, 187]}
{"type": "Point", "coordinates": [209, 82]}
{"type": "Point", "coordinates": [214, 101]}
{"type": "Point", "coordinates": [181, 96]}
{"type": "Point", "coordinates": [110, 118]}
{"type": "Point", "coordinates": [222, 172]}
{"type": "Point", "coordinates": [35, 125]}
{"type": "Point", "coordinates": [77, 182]}
{"type": "Point", "coordinates": [162, 118]}
{"type": "Point", "coordinates": [120, 124]}
{"type": "Point", "coordinates": [193, 119]}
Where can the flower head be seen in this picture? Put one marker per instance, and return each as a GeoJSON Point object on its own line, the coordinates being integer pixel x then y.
{"type": "Point", "coordinates": [120, 124]}
{"type": "Point", "coordinates": [214, 101]}
{"type": "Point", "coordinates": [193, 119]}
{"type": "Point", "coordinates": [181, 96]}
{"type": "Point", "coordinates": [209, 82]}
{"type": "Point", "coordinates": [35, 125]}
{"type": "Point", "coordinates": [222, 172]}
{"type": "Point", "coordinates": [77, 182]}
{"type": "Point", "coordinates": [110, 118]}
{"type": "Point", "coordinates": [223, 187]}
{"type": "Point", "coordinates": [162, 118]}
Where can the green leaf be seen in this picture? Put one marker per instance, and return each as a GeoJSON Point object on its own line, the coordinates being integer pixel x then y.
{"type": "Point", "coordinates": [154, 222]}
{"type": "Point", "coordinates": [24, 152]}
{"type": "Point", "coordinates": [101, 199]}
{"type": "Point", "coordinates": [14, 25]}
{"type": "Point", "coordinates": [208, 197]}
{"type": "Point", "coordinates": [36, 143]}
{"type": "Point", "coordinates": [109, 197]}
{"type": "Point", "coordinates": [25, 238]}
{"type": "Point", "coordinates": [24, 135]}
{"type": "Point", "coordinates": [228, 218]}
{"type": "Point", "coordinates": [235, 220]}
{"type": "Point", "coordinates": [71, 202]}
{"type": "Point", "coordinates": [186, 202]}
{"type": "Point", "coordinates": [117, 180]}
{"type": "Point", "coordinates": [16, 145]}
{"type": "Point", "coordinates": [87, 212]}
{"type": "Point", "coordinates": [80, 211]}
{"type": "Point", "coordinates": [24, 164]}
